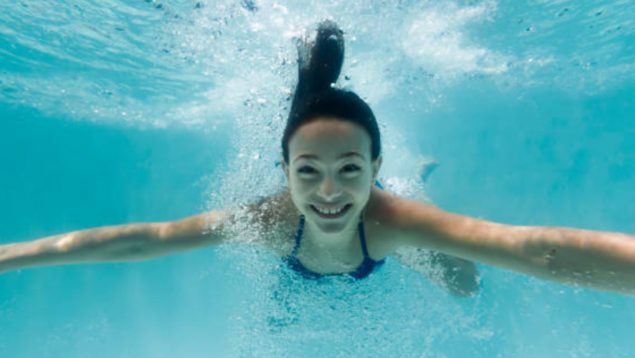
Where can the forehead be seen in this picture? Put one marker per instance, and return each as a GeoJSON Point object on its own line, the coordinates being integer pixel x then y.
{"type": "Point", "coordinates": [328, 136]}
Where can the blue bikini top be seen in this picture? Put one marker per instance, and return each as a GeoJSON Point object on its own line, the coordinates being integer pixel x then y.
{"type": "Point", "coordinates": [363, 270]}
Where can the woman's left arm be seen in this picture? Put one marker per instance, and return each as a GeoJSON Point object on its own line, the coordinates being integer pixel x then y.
{"type": "Point", "coordinates": [601, 260]}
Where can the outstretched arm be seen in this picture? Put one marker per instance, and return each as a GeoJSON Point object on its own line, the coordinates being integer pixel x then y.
{"type": "Point", "coordinates": [602, 260]}
{"type": "Point", "coordinates": [130, 242]}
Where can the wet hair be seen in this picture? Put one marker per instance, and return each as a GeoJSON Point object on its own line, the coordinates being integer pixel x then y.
{"type": "Point", "coordinates": [337, 104]}
{"type": "Point", "coordinates": [319, 66]}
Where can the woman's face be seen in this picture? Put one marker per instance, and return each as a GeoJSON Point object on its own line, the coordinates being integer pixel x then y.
{"type": "Point", "coordinates": [330, 172]}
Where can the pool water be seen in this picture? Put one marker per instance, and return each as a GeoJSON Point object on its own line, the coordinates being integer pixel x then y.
{"type": "Point", "coordinates": [114, 112]}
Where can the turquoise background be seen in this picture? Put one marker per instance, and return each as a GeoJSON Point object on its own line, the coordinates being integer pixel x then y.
{"type": "Point", "coordinates": [546, 145]}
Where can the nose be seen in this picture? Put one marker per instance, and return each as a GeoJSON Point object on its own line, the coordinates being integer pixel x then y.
{"type": "Point", "coordinates": [329, 191]}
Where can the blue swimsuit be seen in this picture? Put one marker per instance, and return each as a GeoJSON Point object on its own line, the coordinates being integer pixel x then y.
{"type": "Point", "coordinates": [366, 268]}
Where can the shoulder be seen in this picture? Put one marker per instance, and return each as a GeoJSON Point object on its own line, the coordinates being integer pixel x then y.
{"type": "Point", "coordinates": [384, 221]}
{"type": "Point", "coordinates": [390, 210]}
{"type": "Point", "coordinates": [275, 218]}
{"type": "Point", "coordinates": [274, 210]}
{"type": "Point", "coordinates": [398, 221]}
{"type": "Point", "coordinates": [416, 224]}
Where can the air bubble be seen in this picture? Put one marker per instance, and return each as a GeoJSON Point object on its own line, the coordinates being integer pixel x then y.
{"type": "Point", "coordinates": [563, 12]}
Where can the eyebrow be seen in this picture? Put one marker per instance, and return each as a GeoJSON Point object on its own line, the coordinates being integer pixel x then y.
{"type": "Point", "coordinates": [343, 155]}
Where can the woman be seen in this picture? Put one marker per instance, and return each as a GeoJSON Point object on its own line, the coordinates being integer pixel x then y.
{"type": "Point", "coordinates": [335, 219]}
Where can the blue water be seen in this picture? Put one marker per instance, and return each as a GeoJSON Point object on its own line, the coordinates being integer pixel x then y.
{"type": "Point", "coordinates": [115, 112]}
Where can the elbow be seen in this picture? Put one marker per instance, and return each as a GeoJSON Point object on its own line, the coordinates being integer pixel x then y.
{"type": "Point", "coordinates": [135, 251]}
{"type": "Point", "coordinates": [131, 251]}
{"type": "Point", "coordinates": [136, 243]}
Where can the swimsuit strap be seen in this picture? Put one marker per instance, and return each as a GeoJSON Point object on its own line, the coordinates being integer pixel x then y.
{"type": "Point", "coordinates": [298, 236]}
{"type": "Point", "coordinates": [300, 231]}
{"type": "Point", "coordinates": [362, 237]}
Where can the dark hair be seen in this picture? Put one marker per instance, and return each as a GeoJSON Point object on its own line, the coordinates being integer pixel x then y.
{"type": "Point", "coordinates": [336, 103]}
{"type": "Point", "coordinates": [319, 66]}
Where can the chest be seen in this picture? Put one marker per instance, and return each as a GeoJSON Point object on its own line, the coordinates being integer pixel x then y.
{"type": "Point", "coordinates": [368, 245]}
{"type": "Point", "coordinates": [380, 239]}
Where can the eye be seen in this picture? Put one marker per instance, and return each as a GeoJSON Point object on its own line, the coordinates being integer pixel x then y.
{"type": "Point", "coordinates": [350, 168]}
{"type": "Point", "coordinates": [306, 170]}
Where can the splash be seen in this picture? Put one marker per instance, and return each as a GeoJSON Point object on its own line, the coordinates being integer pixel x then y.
{"type": "Point", "coordinates": [194, 64]}
{"type": "Point", "coordinates": [285, 315]}
{"type": "Point", "coordinates": [437, 39]}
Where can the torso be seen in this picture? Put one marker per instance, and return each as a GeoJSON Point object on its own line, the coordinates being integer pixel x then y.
{"type": "Point", "coordinates": [382, 238]}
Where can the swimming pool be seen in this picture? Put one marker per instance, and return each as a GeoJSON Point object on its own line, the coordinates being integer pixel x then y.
{"type": "Point", "coordinates": [114, 112]}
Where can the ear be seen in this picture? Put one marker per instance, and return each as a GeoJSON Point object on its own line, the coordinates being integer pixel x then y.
{"type": "Point", "coordinates": [376, 166]}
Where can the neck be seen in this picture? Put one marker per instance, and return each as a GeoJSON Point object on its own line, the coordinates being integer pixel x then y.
{"type": "Point", "coordinates": [331, 241]}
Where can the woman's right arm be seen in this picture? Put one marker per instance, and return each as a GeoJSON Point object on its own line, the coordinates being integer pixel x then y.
{"type": "Point", "coordinates": [130, 242]}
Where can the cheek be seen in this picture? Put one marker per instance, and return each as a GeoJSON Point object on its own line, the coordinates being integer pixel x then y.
{"type": "Point", "coordinates": [299, 189]}
{"type": "Point", "coordinates": [297, 185]}
{"type": "Point", "coordinates": [296, 196]}
{"type": "Point", "coordinates": [361, 187]}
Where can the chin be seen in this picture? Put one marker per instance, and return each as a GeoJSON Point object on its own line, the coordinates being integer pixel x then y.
{"type": "Point", "coordinates": [335, 226]}
{"type": "Point", "coordinates": [331, 227]}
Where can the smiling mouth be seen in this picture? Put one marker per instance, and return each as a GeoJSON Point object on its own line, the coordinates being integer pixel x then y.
{"type": "Point", "coordinates": [332, 213]}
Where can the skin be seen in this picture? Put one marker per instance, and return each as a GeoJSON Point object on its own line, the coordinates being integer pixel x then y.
{"type": "Point", "coordinates": [330, 166]}
{"type": "Point", "coordinates": [323, 172]}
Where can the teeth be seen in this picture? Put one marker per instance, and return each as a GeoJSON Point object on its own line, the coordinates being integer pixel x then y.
{"type": "Point", "coordinates": [329, 211]}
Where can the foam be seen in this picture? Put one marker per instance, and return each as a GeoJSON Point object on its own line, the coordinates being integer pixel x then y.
{"type": "Point", "coordinates": [437, 39]}
{"type": "Point", "coordinates": [162, 64]}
